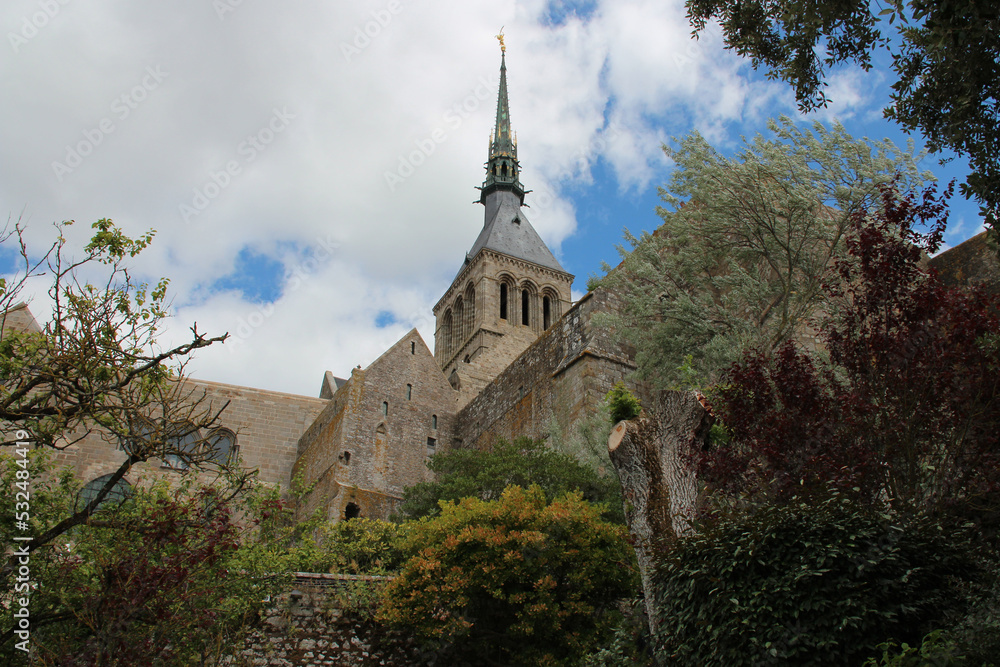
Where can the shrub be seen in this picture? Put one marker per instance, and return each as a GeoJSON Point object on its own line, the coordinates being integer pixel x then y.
{"type": "Point", "coordinates": [623, 403]}
{"type": "Point", "coordinates": [512, 581]}
{"type": "Point", "coordinates": [357, 546]}
{"type": "Point", "coordinates": [805, 584]}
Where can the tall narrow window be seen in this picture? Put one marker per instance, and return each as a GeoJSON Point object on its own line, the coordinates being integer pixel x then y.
{"type": "Point", "coordinates": [385, 407]}
{"type": "Point", "coordinates": [503, 301]}
{"type": "Point", "coordinates": [546, 312]}
{"type": "Point", "coordinates": [434, 422]}
{"type": "Point", "coordinates": [524, 307]}
{"type": "Point", "coordinates": [413, 347]}
{"type": "Point", "coordinates": [409, 391]}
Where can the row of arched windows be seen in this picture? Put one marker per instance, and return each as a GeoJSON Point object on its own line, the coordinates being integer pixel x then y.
{"type": "Point", "coordinates": [524, 304]}
{"type": "Point", "coordinates": [458, 322]}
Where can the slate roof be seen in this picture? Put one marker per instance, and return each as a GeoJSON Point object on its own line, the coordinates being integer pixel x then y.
{"type": "Point", "coordinates": [518, 239]}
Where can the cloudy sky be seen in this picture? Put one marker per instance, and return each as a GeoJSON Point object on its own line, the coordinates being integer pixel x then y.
{"type": "Point", "coordinates": [309, 167]}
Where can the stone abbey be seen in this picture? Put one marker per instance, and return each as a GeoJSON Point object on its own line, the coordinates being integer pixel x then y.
{"type": "Point", "coordinates": [513, 356]}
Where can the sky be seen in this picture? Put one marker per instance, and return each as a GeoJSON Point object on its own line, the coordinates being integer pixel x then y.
{"type": "Point", "coordinates": [310, 167]}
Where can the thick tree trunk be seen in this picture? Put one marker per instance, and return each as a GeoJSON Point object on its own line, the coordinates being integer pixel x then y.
{"type": "Point", "coordinates": [659, 491]}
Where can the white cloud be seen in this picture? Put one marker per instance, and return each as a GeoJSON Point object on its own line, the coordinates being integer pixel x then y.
{"type": "Point", "coordinates": [168, 100]}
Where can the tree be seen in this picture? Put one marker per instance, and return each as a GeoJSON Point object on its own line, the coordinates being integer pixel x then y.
{"type": "Point", "coordinates": [94, 369]}
{"type": "Point", "coordinates": [485, 474]}
{"type": "Point", "coordinates": [741, 256]}
{"type": "Point", "coordinates": [514, 581]}
{"type": "Point", "coordinates": [906, 410]}
{"type": "Point", "coordinates": [946, 57]}
{"type": "Point", "coordinates": [164, 575]}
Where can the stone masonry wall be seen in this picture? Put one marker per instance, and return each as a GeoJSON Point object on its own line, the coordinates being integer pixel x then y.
{"type": "Point", "coordinates": [267, 425]}
{"type": "Point", "coordinates": [555, 384]}
{"type": "Point", "coordinates": [326, 619]}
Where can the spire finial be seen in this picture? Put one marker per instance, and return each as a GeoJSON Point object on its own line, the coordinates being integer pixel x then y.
{"type": "Point", "coordinates": [503, 49]}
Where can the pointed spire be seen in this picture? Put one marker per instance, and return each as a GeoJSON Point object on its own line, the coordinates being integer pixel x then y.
{"type": "Point", "coordinates": [502, 168]}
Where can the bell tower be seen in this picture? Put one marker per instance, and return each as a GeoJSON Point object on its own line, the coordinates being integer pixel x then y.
{"type": "Point", "coordinates": [511, 288]}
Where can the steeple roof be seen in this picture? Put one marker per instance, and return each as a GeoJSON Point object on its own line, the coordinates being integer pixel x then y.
{"type": "Point", "coordinates": [508, 231]}
{"type": "Point", "coordinates": [506, 228]}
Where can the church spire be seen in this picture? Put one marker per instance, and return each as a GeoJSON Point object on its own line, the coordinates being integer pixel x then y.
{"type": "Point", "coordinates": [502, 168]}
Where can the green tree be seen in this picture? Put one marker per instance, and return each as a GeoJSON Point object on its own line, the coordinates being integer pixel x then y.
{"type": "Point", "coordinates": [946, 56]}
{"type": "Point", "coordinates": [745, 245]}
{"type": "Point", "coordinates": [514, 581]}
{"type": "Point", "coordinates": [95, 369]}
{"type": "Point", "coordinates": [465, 473]}
{"type": "Point", "coordinates": [163, 576]}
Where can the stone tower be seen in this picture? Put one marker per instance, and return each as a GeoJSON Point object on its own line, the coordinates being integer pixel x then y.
{"type": "Point", "coordinates": [510, 288]}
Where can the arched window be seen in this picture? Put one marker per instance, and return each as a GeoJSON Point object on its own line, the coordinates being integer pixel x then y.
{"type": "Point", "coordinates": [222, 446]}
{"type": "Point", "coordinates": [434, 421]}
{"type": "Point", "coordinates": [503, 301]}
{"type": "Point", "coordinates": [181, 444]}
{"type": "Point", "coordinates": [444, 341]}
{"type": "Point", "coordinates": [525, 307]}
{"type": "Point", "coordinates": [385, 407]}
{"type": "Point", "coordinates": [457, 327]}
{"type": "Point", "coordinates": [119, 493]}
{"type": "Point", "coordinates": [546, 312]}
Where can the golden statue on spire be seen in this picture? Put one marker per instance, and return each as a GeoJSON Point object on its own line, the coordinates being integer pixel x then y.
{"type": "Point", "coordinates": [503, 49]}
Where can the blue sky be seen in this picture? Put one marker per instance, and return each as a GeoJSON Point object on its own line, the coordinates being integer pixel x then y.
{"type": "Point", "coordinates": [310, 167]}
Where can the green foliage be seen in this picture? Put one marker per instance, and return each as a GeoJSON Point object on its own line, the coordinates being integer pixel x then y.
{"type": "Point", "coordinates": [623, 403]}
{"type": "Point", "coordinates": [465, 473]}
{"type": "Point", "coordinates": [165, 577]}
{"type": "Point", "coordinates": [745, 246]}
{"type": "Point", "coordinates": [944, 54]}
{"type": "Point", "coordinates": [357, 546]}
{"type": "Point", "coordinates": [512, 581]}
{"type": "Point", "coordinates": [936, 650]}
{"type": "Point", "coordinates": [806, 584]}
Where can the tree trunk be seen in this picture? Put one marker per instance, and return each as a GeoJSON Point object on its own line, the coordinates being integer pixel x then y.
{"type": "Point", "coordinates": [658, 490]}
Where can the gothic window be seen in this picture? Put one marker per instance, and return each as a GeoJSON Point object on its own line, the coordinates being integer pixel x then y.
{"type": "Point", "coordinates": [546, 312]}
{"type": "Point", "coordinates": [222, 446]}
{"type": "Point", "coordinates": [457, 327]}
{"type": "Point", "coordinates": [444, 342]}
{"type": "Point", "coordinates": [181, 443]}
{"type": "Point", "coordinates": [119, 493]}
{"type": "Point", "coordinates": [525, 306]}
{"type": "Point", "coordinates": [503, 301]}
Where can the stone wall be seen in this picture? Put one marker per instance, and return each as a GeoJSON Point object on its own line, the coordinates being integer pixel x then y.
{"type": "Point", "coordinates": [554, 385]}
{"type": "Point", "coordinates": [326, 619]}
{"type": "Point", "coordinates": [267, 425]}
{"type": "Point", "coordinates": [374, 438]}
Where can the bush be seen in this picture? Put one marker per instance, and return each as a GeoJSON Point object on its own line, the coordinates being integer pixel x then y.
{"type": "Point", "coordinates": [513, 581]}
{"type": "Point", "coordinates": [806, 584]}
{"type": "Point", "coordinates": [464, 473]}
{"type": "Point", "coordinates": [623, 403]}
{"type": "Point", "coordinates": [357, 546]}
